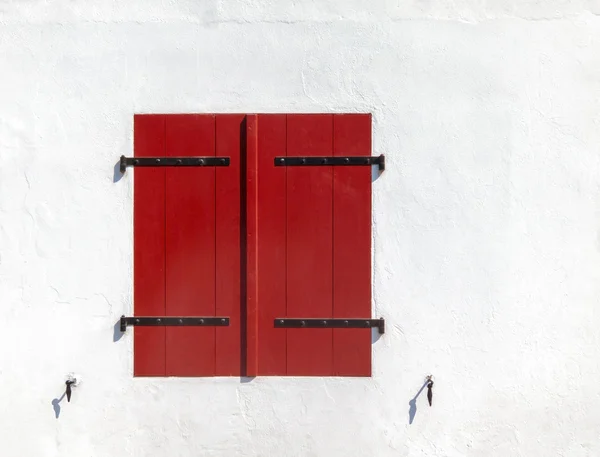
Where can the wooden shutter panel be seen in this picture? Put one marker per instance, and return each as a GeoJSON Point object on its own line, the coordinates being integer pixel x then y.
{"type": "Point", "coordinates": [352, 245]}
{"type": "Point", "coordinates": [149, 246]}
{"type": "Point", "coordinates": [314, 248]}
{"type": "Point", "coordinates": [187, 244]}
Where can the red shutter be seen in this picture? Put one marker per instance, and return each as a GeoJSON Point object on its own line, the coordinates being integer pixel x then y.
{"type": "Point", "coordinates": [253, 242]}
{"type": "Point", "coordinates": [314, 251]}
{"type": "Point", "coordinates": [187, 244]}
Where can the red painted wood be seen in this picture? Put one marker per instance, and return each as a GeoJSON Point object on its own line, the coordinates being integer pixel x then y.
{"type": "Point", "coordinates": [149, 246]}
{"type": "Point", "coordinates": [228, 233]}
{"type": "Point", "coordinates": [272, 344]}
{"type": "Point", "coordinates": [309, 245]}
{"type": "Point", "coordinates": [352, 245]}
{"type": "Point", "coordinates": [190, 245]}
{"type": "Point", "coordinates": [253, 242]}
{"type": "Point", "coordinates": [252, 276]}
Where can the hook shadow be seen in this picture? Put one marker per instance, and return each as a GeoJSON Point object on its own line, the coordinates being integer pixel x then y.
{"type": "Point", "coordinates": [412, 410]}
{"type": "Point", "coordinates": [375, 335]}
{"type": "Point", "coordinates": [375, 173]}
{"type": "Point", "coordinates": [56, 405]}
{"type": "Point", "coordinates": [117, 175]}
{"type": "Point", "coordinates": [117, 333]}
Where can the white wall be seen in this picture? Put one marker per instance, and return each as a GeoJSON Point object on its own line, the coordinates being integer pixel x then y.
{"type": "Point", "coordinates": [486, 224]}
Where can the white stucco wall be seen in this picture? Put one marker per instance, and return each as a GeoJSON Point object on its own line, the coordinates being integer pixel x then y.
{"type": "Point", "coordinates": [486, 222]}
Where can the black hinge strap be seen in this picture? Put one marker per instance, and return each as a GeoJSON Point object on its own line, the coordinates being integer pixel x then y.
{"type": "Point", "coordinates": [172, 162]}
{"type": "Point", "coordinates": [326, 161]}
{"type": "Point", "coordinates": [331, 323]}
{"type": "Point", "coordinates": [180, 321]}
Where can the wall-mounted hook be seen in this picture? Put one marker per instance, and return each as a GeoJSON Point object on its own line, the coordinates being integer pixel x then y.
{"type": "Point", "coordinates": [429, 389]}
{"type": "Point", "coordinates": [68, 383]}
{"type": "Point", "coordinates": [73, 380]}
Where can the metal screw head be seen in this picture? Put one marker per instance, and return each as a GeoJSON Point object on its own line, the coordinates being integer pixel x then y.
{"type": "Point", "coordinates": [181, 321]}
{"type": "Point", "coordinates": [282, 160]}
{"type": "Point", "coordinates": [136, 161]}
{"type": "Point", "coordinates": [179, 162]}
{"type": "Point", "coordinates": [346, 160]}
{"type": "Point", "coordinates": [202, 321]}
{"type": "Point", "coordinates": [137, 321]}
{"type": "Point", "coordinates": [223, 321]}
{"type": "Point", "coordinates": [223, 161]}
{"type": "Point", "coordinates": [159, 320]}
{"type": "Point", "coordinates": [281, 321]}
{"type": "Point", "coordinates": [324, 161]}
{"type": "Point", "coordinates": [324, 322]}
{"type": "Point", "coordinates": [346, 323]}
{"type": "Point", "coordinates": [367, 324]}
{"type": "Point", "coordinates": [303, 161]}
{"type": "Point", "coordinates": [201, 161]}
{"type": "Point", "coordinates": [157, 160]}
{"type": "Point", "coordinates": [302, 323]}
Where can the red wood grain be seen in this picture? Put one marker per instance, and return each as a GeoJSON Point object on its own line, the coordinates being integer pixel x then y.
{"type": "Point", "coordinates": [190, 245]}
{"type": "Point", "coordinates": [352, 245]}
{"type": "Point", "coordinates": [229, 138]}
{"type": "Point", "coordinates": [149, 246]}
{"type": "Point", "coordinates": [272, 343]}
{"type": "Point", "coordinates": [309, 245]}
{"type": "Point", "coordinates": [252, 276]}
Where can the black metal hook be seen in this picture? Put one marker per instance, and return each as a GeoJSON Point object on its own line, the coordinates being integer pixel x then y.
{"type": "Point", "coordinates": [429, 391]}
{"type": "Point", "coordinates": [68, 383]}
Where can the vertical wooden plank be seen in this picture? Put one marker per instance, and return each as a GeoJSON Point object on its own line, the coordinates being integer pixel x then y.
{"type": "Point", "coordinates": [309, 245]}
{"type": "Point", "coordinates": [352, 245]}
{"type": "Point", "coordinates": [149, 246]}
{"type": "Point", "coordinates": [190, 245]}
{"type": "Point", "coordinates": [272, 344]}
{"type": "Point", "coordinates": [251, 246]}
{"type": "Point", "coordinates": [228, 210]}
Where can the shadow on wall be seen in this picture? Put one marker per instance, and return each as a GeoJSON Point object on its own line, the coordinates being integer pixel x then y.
{"type": "Point", "coordinates": [56, 405]}
{"type": "Point", "coordinates": [375, 335]}
{"type": "Point", "coordinates": [117, 333]}
{"type": "Point", "coordinates": [412, 410]}
{"type": "Point", "coordinates": [375, 173]}
{"type": "Point", "coordinates": [117, 175]}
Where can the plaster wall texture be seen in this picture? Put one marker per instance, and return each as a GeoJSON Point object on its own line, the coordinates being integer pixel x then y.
{"type": "Point", "coordinates": [486, 223]}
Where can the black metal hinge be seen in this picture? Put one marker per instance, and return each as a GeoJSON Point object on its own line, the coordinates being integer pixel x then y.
{"type": "Point", "coordinates": [174, 321]}
{"type": "Point", "coordinates": [316, 161]}
{"type": "Point", "coordinates": [172, 162]}
{"type": "Point", "coordinates": [331, 323]}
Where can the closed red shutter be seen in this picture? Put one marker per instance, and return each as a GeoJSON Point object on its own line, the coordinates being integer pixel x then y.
{"type": "Point", "coordinates": [314, 250]}
{"type": "Point", "coordinates": [187, 244]}
{"type": "Point", "coordinates": [254, 242]}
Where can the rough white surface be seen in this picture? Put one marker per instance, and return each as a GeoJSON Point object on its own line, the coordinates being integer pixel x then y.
{"type": "Point", "coordinates": [486, 222]}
